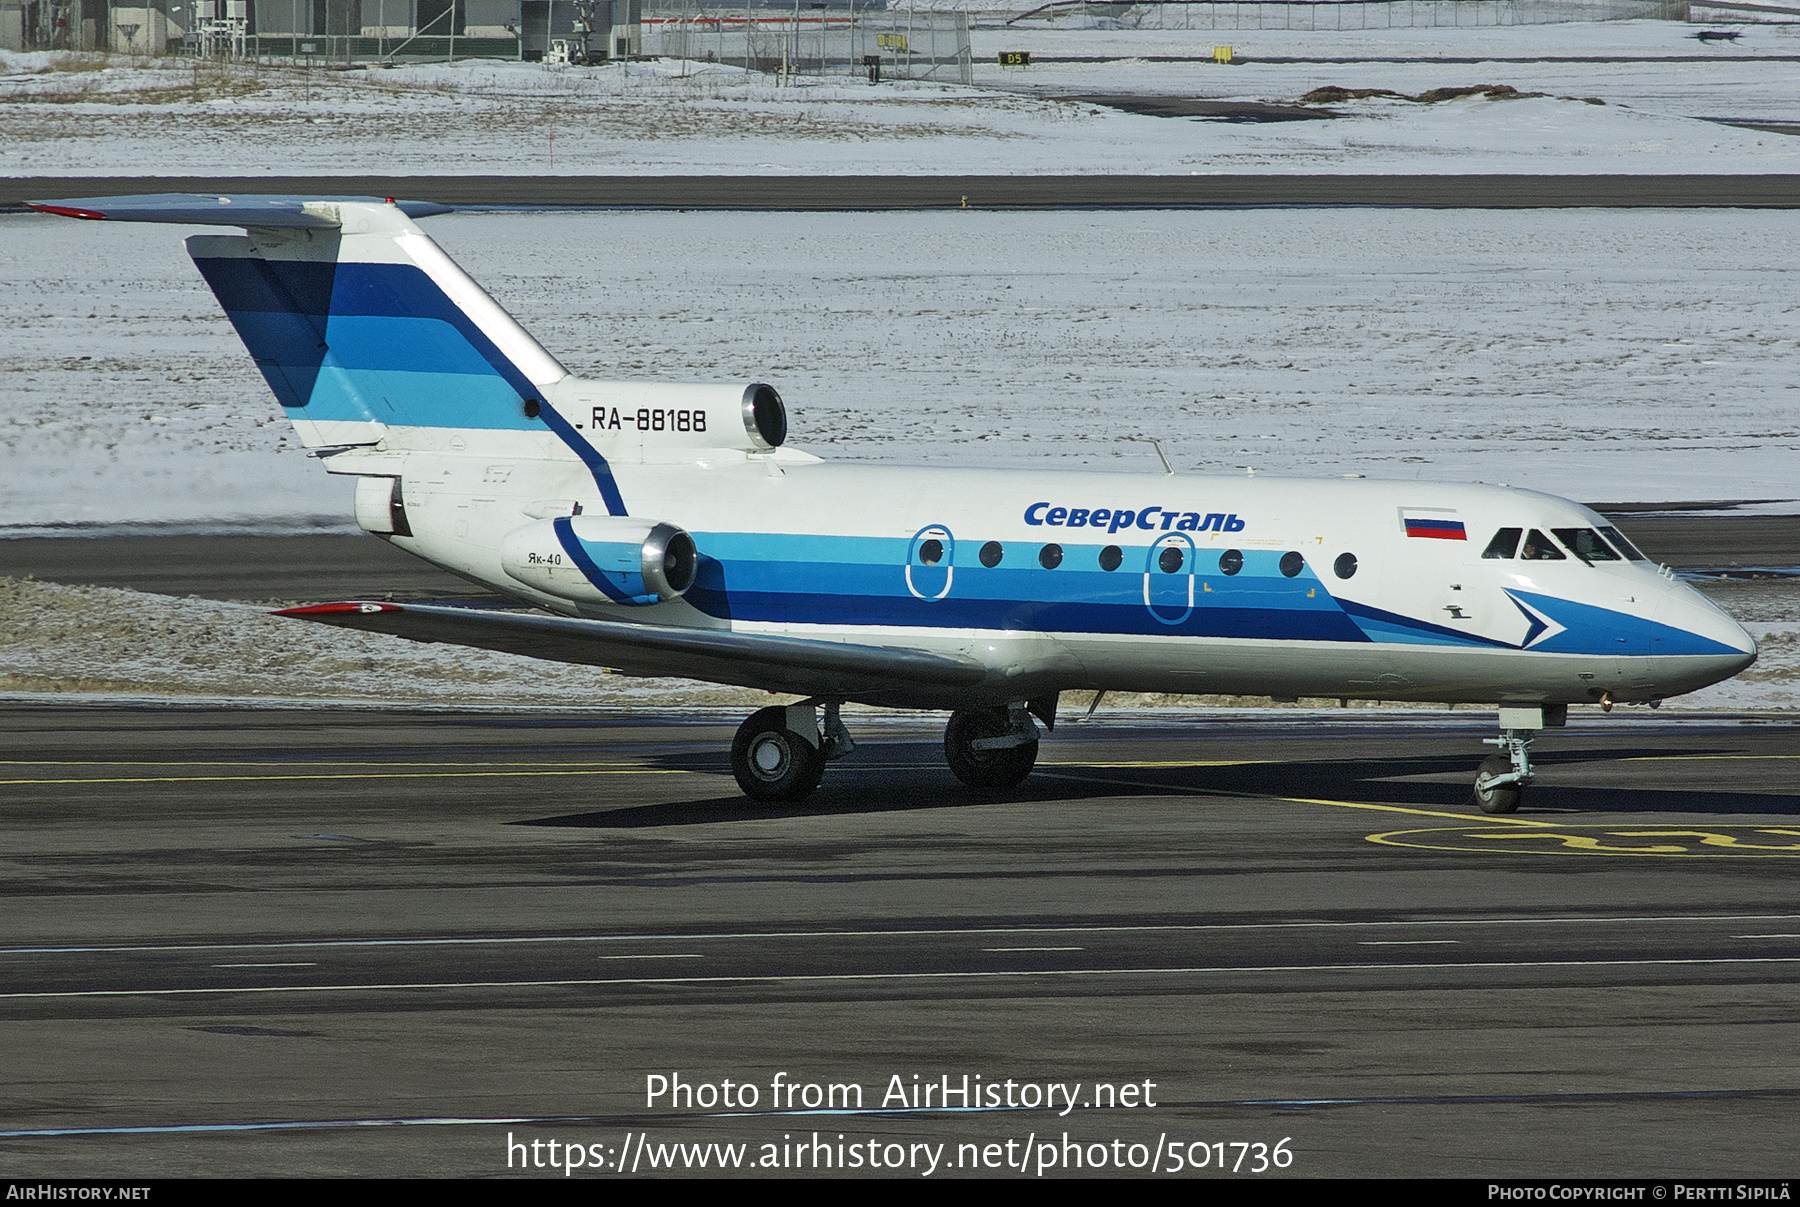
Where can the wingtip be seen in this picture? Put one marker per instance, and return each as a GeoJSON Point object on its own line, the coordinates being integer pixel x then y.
{"type": "Point", "coordinates": [309, 611]}
{"type": "Point", "coordinates": [66, 211]}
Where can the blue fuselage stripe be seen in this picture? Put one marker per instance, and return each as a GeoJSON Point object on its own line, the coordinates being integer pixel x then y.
{"type": "Point", "coordinates": [791, 578]}
{"type": "Point", "coordinates": [795, 579]}
{"type": "Point", "coordinates": [571, 544]}
{"type": "Point", "coordinates": [380, 342]}
{"type": "Point", "coordinates": [1591, 630]}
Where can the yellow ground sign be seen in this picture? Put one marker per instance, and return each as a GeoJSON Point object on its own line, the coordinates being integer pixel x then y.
{"type": "Point", "coordinates": [1668, 842]}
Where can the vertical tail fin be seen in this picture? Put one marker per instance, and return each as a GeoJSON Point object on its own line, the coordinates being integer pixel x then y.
{"type": "Point", "coordinates": [370, 327]}
{"type": "Point", "coordinates": [360, 323]}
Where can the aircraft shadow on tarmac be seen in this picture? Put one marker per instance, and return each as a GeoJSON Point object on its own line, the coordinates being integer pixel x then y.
{"type": "Point", "coordinates": [896, 783]}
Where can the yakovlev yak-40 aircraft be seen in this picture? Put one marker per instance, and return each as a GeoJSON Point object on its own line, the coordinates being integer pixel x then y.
{"type": "Point", "coordinates": [669, 530]}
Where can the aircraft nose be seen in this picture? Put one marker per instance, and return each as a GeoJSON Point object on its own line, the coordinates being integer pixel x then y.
{"type": "Point", "coordinates": [1722, 641]}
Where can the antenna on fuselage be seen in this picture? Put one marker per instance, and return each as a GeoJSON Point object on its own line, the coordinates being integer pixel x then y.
{"type": "Point", "coordinates": [1156, 444]}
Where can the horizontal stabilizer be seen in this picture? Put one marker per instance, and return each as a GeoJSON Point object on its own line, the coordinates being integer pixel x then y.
{"type": "Point", "coordinates": [243, 209]}
{"type": "Point", "coordinates": [870, 674]}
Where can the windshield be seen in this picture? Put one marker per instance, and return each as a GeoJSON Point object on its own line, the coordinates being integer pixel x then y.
{"type": "Point", "coordinates": [1539, 549]}
{"type": "Point", "coordinates": [1622, 545]}
{"type": "Point", "coordinates": [1586, 544]}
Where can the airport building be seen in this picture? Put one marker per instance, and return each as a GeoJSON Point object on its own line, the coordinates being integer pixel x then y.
{"type": "Point", "coordinates": [328, 30]}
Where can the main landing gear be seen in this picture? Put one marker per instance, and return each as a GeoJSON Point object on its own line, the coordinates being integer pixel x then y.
{"type": "Point", "coordinates": [992, 747]}
{"type": "Point", "coordinates": [779, 754]}
{"type": "Point", "coordinates": [1500, 782]}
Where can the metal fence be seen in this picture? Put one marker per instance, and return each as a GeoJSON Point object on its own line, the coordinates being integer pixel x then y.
{"type": "Point", "coordinates": [816, 41]}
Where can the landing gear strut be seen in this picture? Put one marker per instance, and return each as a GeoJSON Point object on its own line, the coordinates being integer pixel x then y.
{"type": "Point", "coordinates": [1500, 782]}
{"type": "Point", "coordinates": [779, 754]}
{"type": "Point", "coordinates": [992, 747]}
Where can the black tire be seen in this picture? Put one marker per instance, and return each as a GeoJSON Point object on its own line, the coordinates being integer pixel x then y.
{"type": "Point", "coordinates": [771, 761]}
{"type": "Point", "coordinates": [987, 769]}
{"type": "Point", "coordinates": [1502, 799]}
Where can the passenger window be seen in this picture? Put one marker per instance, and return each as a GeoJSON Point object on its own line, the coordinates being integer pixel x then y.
{"type": "Point", "coordinates": [1622, 545]}
{"type": "Point", "coordinates": [1586, 544]}
{"type": "Point", "coordinates": [1231, 561]}
{"type": "Point", "coordinates": [1504, 544]}
{"type": "Point", "coordinates": [1050, 556]}
{"type": "Point", "coordinates": [1345, 566]}
{"type": "Point", "coordinates": [1110, 557]}
{"type": "Point", "coordinates": [1170, 559]}
{"type": "Point", "coordinates": [1292, 564]}
{"type": "Point", "coordinates": [1539, 549]}
{"type": "Point", "coordinates": [931, 552]}
{"type": "Point", "coordinates": [991, 553]}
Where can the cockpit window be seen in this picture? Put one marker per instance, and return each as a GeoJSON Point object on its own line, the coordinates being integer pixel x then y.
{"type": "Point", "coordinates": [1586, 544]}
{"type": "Point", "coordinates": [1622, 545]}
{"type": "Point", "coordinates": [1504, 543]}
{"type": "Point", "coordinates": [1538, 548]}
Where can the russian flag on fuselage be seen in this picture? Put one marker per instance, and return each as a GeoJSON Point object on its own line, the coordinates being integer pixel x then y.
{"type": "Point", "coordinates": [1437, 530]}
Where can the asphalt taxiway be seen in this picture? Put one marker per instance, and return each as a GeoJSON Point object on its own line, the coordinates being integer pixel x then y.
{"type": "Point", "coordinates": [1019, 192]}
{"type": "Point", "coordinates": [365, 942]}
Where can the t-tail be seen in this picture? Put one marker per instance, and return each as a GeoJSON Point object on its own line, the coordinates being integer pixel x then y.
{"type": "Point", "coordinates": [366, 328]}
{"type": "Point", "coordinates": [370, 336]}
{"type": "Point", "coordinates": [361, 324]}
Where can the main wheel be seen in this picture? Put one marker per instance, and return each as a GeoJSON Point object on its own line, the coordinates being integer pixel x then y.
{"type": "Point", "coordinates": [1003, 768]}
{"type": "Point", "coordinates": [1500, 798]}
{"type": "Point", "coordinates": [771, 761]}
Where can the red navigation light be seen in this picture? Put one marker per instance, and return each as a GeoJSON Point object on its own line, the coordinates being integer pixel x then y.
{"type": "Point", "coordinates": [331, 609]}
{"type": "Point", "coordinates": [66, 211]}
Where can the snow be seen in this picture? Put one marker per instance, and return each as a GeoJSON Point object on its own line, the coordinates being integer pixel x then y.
{"type": "Point", "coordinates": [100, 642]}
{"type": "Point", "coordinates": [84, 115]}
{"type": "Point", "coordinates": [1634, 355]}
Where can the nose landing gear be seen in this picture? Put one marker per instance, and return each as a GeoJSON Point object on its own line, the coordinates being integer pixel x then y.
{"type": "Point", "coordinates": [1500, 782]}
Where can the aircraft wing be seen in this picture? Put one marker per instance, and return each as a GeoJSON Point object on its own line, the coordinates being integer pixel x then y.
{"type": "Point", "coordinates": [865, 673]}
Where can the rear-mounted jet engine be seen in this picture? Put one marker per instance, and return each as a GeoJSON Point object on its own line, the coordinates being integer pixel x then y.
{"type": "Point", "coordinates": [602, 559]}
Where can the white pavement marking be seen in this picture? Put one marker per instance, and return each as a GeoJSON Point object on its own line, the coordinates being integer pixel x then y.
{"type": "Point", "coordinates": [1596, 920]}
{"type": "Point", "coordinates": [753, 979]}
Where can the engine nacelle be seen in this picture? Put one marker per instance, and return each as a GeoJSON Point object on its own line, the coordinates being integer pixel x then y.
{"type": "Point", "coordinates": [602, 559]}
{"type": "Point", "coordinates": [748, 417]}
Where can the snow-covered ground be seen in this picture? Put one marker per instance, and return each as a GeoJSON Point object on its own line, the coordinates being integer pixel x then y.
{"type": "Point", "coordinates": [58, 640]}
{"type": "Point", "coordinates": [1603, 355]}
{"type": "Point", "coordinates": [84, 116]}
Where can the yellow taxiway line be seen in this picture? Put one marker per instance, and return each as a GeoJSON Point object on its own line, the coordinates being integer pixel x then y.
{"type": "Point", "coordinates": [1699, 758]}
{"type": "Point", "coordinates": [1300, 800]}
{"type": "Point", "coordinates": [359, 775]}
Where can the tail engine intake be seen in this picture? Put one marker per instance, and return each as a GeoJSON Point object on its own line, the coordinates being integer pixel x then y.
{"type": "Point", "coordinates": [602, 559]}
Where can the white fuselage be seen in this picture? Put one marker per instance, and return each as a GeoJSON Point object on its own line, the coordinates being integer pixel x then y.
{"type": "Point", "coordinates": [832, 551]}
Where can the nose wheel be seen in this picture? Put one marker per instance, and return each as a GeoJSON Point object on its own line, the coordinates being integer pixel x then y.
{"type": "Point", "coordinates": [1494, 797]}
{"type": "Point", "coordinates": [1500, 781]}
